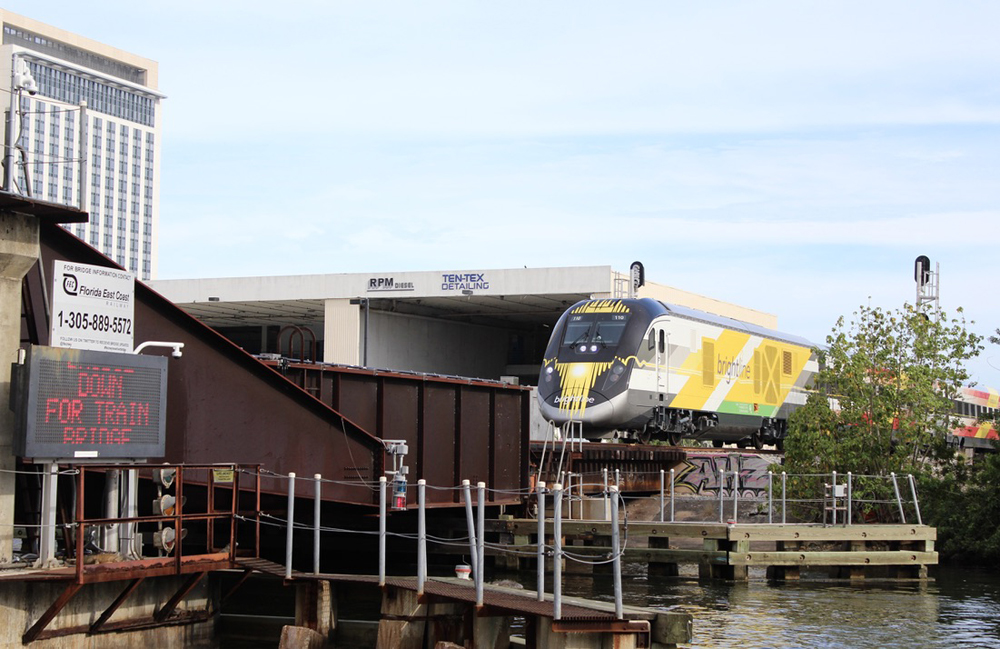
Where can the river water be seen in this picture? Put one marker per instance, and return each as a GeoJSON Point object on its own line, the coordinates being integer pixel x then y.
{"type": "Point", "coordinates": [959, 608]}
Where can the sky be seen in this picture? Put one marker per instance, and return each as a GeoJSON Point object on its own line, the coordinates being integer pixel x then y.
{"type": "Point", "coordinates": [790, 156]}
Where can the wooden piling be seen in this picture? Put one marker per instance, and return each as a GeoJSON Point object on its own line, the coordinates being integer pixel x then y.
{"type": "Point", "coordinates": [730, 551]}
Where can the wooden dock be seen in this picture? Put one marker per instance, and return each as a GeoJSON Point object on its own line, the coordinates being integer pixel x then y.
{"type": "Point", "coordinates": [443, 611]}
{"type": "Point", "coordinates": [730, 550]}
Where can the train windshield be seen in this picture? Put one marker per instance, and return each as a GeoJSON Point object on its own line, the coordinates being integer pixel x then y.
{"type": "Point", "coordinates": [603, 329]}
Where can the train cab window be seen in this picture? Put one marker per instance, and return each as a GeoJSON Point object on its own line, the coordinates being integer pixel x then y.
{"type": "Point", "coordinates": [609, 330]}
{"type": "Point", "coordinates": [603, 329]}
{"type": "Point", "coordinates": [663, 345]}
{"type": "Point", "coordinates": [577, 331]}
{"type": "Point", "coordinates": [652, 339]}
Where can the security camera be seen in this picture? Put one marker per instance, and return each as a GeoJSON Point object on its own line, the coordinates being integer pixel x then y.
{"type": "Point", "coordinates": [176, 353]}
{"type": "Point", "coordinates": [22, 78]}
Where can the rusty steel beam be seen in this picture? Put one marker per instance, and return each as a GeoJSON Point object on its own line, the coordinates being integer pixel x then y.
{"type": "Point", "coordinates": [222, 403]}
{"type": "Point", "coordinates": [164, 613]}
{"type": "Point", "coordinates": [108, 612]}
{"type": "Point", "coordinates": [183, 618]}
{"type": "Point", "coordinates": [32, 634]}
{"type": "Point", "coordinates": [638, 466]}
{"type": "Point", "coordinates": [456, 428]}
{"type": "Point", "coordinates": [239, 582]}
{"type": "Point", "coordinates": [157, 567]}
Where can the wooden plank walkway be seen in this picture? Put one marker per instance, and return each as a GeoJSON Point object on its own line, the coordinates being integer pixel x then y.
{"type": "Point", "coordinates": [729, 550]}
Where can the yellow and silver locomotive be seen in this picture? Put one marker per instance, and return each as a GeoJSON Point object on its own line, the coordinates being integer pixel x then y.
{"type": "Point", "coordinates": [645, 369]}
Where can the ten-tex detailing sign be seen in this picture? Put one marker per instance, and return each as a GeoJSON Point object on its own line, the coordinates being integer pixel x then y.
{"type": "Point", "coordinates": [443, 282]}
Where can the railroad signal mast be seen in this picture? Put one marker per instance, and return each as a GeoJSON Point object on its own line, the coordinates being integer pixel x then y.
{"type": "Point", "coordinates": [928, 282]}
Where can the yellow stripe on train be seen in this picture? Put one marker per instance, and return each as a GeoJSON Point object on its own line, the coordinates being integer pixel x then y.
{"type": "Point", "coordinates": [575, 382]}
{"type": "Point", "coordinates": [602, 306]}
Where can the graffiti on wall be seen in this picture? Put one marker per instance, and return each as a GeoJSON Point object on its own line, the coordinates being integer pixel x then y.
{"type": "Point", "coordinates": [700, 473]}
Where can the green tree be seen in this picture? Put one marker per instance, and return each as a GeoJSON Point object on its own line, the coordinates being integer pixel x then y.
{"type": "Point", "coordinates": [961, 501]}
{"type": "Point", "coordinates": [883, 395]}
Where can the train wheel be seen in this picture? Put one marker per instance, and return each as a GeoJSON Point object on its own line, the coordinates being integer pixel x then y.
{"type": "Point", "coordinates": [758, 440]}
{"type": "Point", "coordinates": [717, 443]}
{"type": "Point", "coordinates": [644, 436]}
{"type": "Point", "coordinates": [674, 439]}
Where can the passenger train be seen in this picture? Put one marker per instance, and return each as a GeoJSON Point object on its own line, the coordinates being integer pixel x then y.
{"type": "Point", "coordinates": [977, 410]}
{"type": "Point", "coordinates": [647, 370]}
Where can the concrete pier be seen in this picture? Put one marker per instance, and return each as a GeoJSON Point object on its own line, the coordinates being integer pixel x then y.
{"type": "Point", "coordinates": [18, 253]}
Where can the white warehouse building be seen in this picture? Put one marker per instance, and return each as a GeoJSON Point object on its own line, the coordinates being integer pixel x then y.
{"type": "Point", "coordinates": [475, 323]}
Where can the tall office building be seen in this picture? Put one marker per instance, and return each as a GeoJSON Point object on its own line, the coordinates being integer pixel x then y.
{"type": "Point", "coordinates": [84, 119]}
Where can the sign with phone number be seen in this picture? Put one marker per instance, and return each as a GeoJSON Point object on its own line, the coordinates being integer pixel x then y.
{"type": "Point", "coordinates": [92, 307]}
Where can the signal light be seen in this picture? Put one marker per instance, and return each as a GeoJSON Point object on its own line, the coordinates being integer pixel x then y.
{"type": "Point", "coordinates": [398, 494]}
{"type": "Point", "coordinates": [165, 477]}
{"type": "Point", "coordinates": [166, 505]}
{"type": "Point", "coordinates": [166, 539]}
{"type": "Point", "coordinates": [922, 270]}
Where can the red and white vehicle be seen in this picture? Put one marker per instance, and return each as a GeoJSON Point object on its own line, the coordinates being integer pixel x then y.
{"type": "Point", "coordinates": [977, 410]}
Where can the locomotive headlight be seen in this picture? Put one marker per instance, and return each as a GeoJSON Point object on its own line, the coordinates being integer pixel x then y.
{"type": "Point", "coordinates": [615, 374]}
{"type": "Point", "coordinates": [593, 348]}
{"type": "Point", "coordinates": [548, 374]}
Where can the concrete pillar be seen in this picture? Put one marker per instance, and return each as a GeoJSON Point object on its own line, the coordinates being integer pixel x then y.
{"type": "Point", "coordinates": [19, 251]}
{"type": "Point", "coordinates": [672, 629]}
{"type": "Point", "coordinates": [316, 607]}
{"type": "Point", "coordinates": [297, 637]}
{"type": "Point", "coordinates": [491, 632]}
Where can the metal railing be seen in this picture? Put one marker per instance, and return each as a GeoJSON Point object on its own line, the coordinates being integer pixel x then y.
{"type": "Point", "coordinates": [832, 498]}
{"type": "Point", "coordinates": [167, 527]}
{"type": "Point", "coordinates": [729, 498]}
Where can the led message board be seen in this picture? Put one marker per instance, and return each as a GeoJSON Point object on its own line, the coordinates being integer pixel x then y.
{"type": "Point", "coordinates": [82, 404]}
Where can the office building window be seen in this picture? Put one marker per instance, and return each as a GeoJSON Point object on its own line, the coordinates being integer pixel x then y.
{"type": "Point", "coordinates": [111, 100]}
